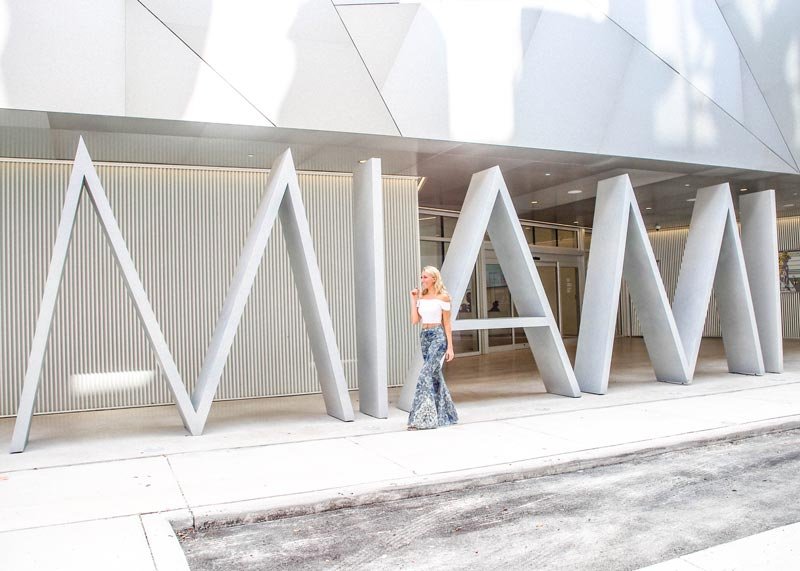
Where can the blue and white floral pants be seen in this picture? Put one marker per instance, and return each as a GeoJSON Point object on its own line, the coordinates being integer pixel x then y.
{"type": "Point", "coordinates": [433, 406]}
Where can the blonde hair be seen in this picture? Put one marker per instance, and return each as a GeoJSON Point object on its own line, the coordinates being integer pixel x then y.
{"type": "Point", "coordinates": [438, 284]}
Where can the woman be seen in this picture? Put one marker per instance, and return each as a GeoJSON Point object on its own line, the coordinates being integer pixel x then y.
{"type": "Point", "coordinates": [432, 406]}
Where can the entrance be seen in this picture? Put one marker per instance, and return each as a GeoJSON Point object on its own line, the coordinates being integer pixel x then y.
{"type": "Point", "coordinates": [560, 276]}
{"type": "Point", "coordinates": [559, 256]}
{"type": "Point", "coordinates": [561, 279]}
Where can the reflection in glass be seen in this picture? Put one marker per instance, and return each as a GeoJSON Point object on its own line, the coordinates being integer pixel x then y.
{"type": "Point", "coordinates": [431, 253]}
{"type": "Point", "coordinates": [528, 230]}
{"type": "Point", "coordinates": [519, 332]}
{"type": "Point", "coordinates": [570, 302]}
{"type": "Point", "coordinates": [430, 225]}
{"type": "Point", "coordinates": [466, 341]}
{"type": "Point", "coordinates": [448, 226]}
{"type": "Point", "coordinates": [567, 239]}
{"type": "Point", "coordinates": [550, 283]}
{"type": "Point", "coordinates": [498, 300]}
{"type": "Point", "coordinates": [544, 236]}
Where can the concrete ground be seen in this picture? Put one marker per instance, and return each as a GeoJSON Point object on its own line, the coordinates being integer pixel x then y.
{"type": "Point", "coordinates": [97, 489]}
{"type": "Point", "coordinates": [618, 517]}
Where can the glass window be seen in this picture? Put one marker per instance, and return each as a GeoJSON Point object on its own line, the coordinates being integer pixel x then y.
{"type": "Point", "coordinates": [528, 231]}
{"type": "Point", "coordinates": [448, 225]}
{"type": "Point", "coordinates": [466, 341]}
{"type": "Point", "coordinates": [544, 236]}
{"type": "Point", "coordinates": [587, 240]}
{"type": "Point", "coordinates": [567, 239]}
{"type": "Point", "coordinates": [570, 301]}
{"type": "Point", "coordinates": [430, 225]}
{"type": "Point", "coordinates": [498, 299]}
{"type": "Point", "coordinates": [431, 253]}
{"type": "Point", "coordinates": [549, 277]}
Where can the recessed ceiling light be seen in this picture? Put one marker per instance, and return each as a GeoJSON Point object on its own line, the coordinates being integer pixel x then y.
{"type": "Point", "coordinates": [362, 161]}
{"type": "Point", "coordinates": [250, 155]}
{"type": "Point", "coordinates": [690, 199]}
{"type": "Point", "coordinates": [576, 191]}
{"type": "Point", "coordinates": [547, 174]}
{"type": "Point", "coordinates": [687, 184]}
{"type": "Point", "coordinates": [575, 222]}
{"type": "Point", "coordinates": [534, 202]}
{"type": "Point", "coordinates": [742, 190]}
{"type": "Point", "coordinates": [648, 207]}
{"type": "Point", "coordinates": [788, 205]}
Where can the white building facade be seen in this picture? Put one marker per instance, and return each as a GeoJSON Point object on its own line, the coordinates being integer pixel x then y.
{"type": "Point", "coordinates": [184, 105]}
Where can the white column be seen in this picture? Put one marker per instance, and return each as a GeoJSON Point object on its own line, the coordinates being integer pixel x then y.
{"type": "Point", "coordinates": [760, 246]}
{"type": "Point", "coordinates": [370, 289]}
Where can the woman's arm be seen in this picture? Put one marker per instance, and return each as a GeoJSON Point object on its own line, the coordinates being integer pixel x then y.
{"type": "Point", "coordinates": [448, 331]}
{"type": "Point", "coordinates": [415, 318]}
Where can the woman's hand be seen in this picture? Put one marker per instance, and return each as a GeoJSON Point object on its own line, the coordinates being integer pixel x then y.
{"type": "Point", "coordinates": [449, 356]}
{"type": "Point", "coordinates": [415, 293]}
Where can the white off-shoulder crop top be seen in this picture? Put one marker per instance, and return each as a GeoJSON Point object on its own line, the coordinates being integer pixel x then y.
{"type": "Point", "coordinates": [430, 310]}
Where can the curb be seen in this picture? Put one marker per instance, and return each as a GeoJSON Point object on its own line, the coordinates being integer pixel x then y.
{"type": "Point", "coordinates": [205, 518]}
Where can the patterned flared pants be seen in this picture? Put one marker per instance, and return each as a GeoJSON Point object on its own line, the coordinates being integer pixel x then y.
{"type": "Point", "coordinates": [433, 406]}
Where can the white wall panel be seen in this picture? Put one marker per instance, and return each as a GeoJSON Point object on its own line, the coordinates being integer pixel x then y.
{"type": "Point", "coordinates": [164, 79]}
{"type": "Point", "coordinates": [185, 228]}
{"type": "Point", "coordinates": [693, 38]}
{"type": "Point", "coordinates": [63, 56]}
{"type": "Point", "coordinates": [555, 74]}
{"type": "Point", "coordinates": [562, 75]}
{"type": "Point", "coordinates": [758, 118]}
{"type": "Point", "coordinates": [568, 82]}
{"type": "Point", "coordinates": [292, 59]}
{"type": "Point", "coordinates": [659, 114]}
{"type": "Point", "coordinates": [768, 34]}
{"type": "Point", "coordinates": [416, 84]}
{"type": "Point", "coordinates": [379, 33]}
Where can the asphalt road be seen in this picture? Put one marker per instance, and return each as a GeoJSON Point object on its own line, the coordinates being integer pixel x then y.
{"type": "Point", "coordinates": [616, 517]}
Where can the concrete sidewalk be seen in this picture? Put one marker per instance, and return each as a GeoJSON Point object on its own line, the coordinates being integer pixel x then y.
{"type": "Point", "coordinates": [775, 549]}
{"type": "Point", "coordinates": [105, 503]}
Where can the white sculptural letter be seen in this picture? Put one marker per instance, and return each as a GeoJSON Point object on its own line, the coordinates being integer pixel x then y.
{"type": "Point", "coordinates": [488, 207]}
{"type": "Point", "coordinates": [713, 259]}
{"type": "Point", "coordinates": [282, 197]}
{"type": "Point", "coordinates": [85, 175]}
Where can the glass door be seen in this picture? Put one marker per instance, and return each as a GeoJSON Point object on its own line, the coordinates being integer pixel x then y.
{"type": "Point", "coordinates": [499, 303]}
{"type": "Point", "coordinates": [569, 300]}
{"type": "Point", "coordinates": [548, 272]}
{"type": "Point", "coordinates": [560, 279]}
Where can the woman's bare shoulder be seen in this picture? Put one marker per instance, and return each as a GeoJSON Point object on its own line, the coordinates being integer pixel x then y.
{"type": "Point", "coordinates": [443, 297]}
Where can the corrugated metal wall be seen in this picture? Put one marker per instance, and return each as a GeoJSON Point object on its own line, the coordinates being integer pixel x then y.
{"type": "Point", "coordinates": [668, 246]}
{"type": "Point", "coordinates": [185, 228]}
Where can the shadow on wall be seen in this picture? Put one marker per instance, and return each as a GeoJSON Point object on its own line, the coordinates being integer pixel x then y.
{"type": "Point", "coordinates": [79, 56]}
{"type": "Point", "coordinates": [405, 82]}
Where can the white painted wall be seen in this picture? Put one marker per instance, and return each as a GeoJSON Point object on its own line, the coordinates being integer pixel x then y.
{"type": "Point", "coordinates": [692, 80]}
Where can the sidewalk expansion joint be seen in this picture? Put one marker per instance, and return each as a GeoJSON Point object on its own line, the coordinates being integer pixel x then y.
{"type": "Point", "coordinates": [180, 489]}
